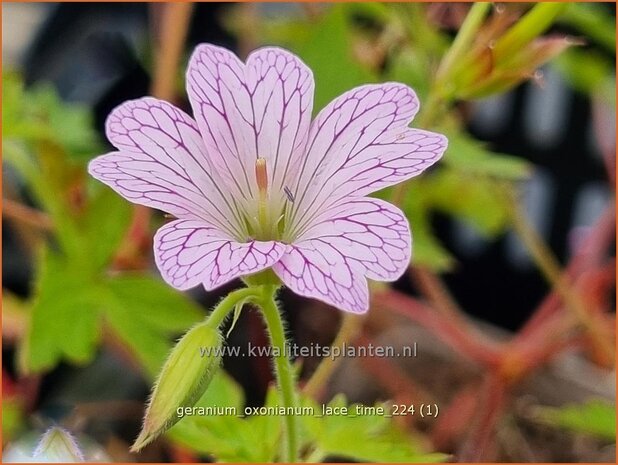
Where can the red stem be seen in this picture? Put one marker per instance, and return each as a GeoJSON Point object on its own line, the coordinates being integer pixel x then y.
{"type": "Point", "coordinates": [493, 398]}
{"type": "Point", "coordinates": [588, 255]}
{"type": "Point", "coordinates": [454, 334]}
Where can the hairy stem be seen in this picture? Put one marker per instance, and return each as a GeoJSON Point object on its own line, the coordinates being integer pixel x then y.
{"type": "Point", "coordinates": [221, 311]}
{"type": "Point", "coordinates": [283, 370]}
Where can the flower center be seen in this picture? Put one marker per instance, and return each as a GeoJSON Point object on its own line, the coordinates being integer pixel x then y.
{"type": "Point", "coordinates": [264, 218]}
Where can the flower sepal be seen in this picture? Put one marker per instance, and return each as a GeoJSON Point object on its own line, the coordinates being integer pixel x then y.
{"type": "Point", "coordinates": [266, 277]}
{"type": "Point", "coordinates": [185, 376]}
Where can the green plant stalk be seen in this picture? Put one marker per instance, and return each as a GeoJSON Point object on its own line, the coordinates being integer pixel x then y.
{"type": "Point", "coordinates": [222, 310]}
{"type": "Point", "coordinates": [283, 370]}
{"type": "Point", "coordinates": [464, 38]}
{"type": "Point", "coordinates": [437, 100]}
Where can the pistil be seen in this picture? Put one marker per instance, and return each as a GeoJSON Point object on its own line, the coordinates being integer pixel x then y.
{"type": "Point", "coordinates": [261, 176]}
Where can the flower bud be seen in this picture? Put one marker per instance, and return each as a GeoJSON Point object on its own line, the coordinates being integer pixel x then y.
{"type": "Point", "coordinates": [185, 376]}
{"type": "Point", "coordinates": [57, 445]}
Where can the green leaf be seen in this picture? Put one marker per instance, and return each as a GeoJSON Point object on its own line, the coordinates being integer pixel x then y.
{"type": "Point", "coordinates": [39, 115]}
{"type": "Point", "coordinates": [106, 222]}
{"type": "Point", "coordinates": [65, 315]}
{"type": "Point", "coordinates": [427, 251]}
{"type": "Point", "coordinates": [12, 418]}
{"type": "Point", "coordinates": [154, 303]}
{"type": "Point", "coordinates": [595, 417]}
{"type": "Point", "coordinates": [471, 198]}
{"type": "Point", "coordinates": [534, 23]}
{"type": "Point", "coordinates": [469, 156]}
{"type": "Point", "coordinates": [221, 436]}
{"type": "Point", "coordinates": [412, 67]}
{"type": "Point", "coordinates": [148, 345]}
{"type": "Point", "coordinates": [371, 437]}
{"type": "Point", "coordinates": [334, 72]}
{"type": "Point", "coordinates": [256, 439]}
{"type": "Point", "coordinates": [145, 312]}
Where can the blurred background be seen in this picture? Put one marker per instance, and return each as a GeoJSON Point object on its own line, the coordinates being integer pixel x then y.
{"type": "Point", "coordinates": [551, 136]}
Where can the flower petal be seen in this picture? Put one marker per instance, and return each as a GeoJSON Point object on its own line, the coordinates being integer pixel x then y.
{"type": "Point", "coordinates": [314, 269]}
{"type": "Point", "coordinates": [189, 253]}
{"type": "Point", "coordinates": [370, 232]}
{"type": "Point", "coordinates": [162, 164]}
{"type": "Point", "coordinates": [261, 109]}
{"type": "Point", "coordinates": [361, 143]}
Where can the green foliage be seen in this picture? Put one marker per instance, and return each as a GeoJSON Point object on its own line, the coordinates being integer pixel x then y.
{"type": "Point", "coordinates": [468, 156]}
{"type": "Point", "coordinates": [362, 438]}
{"type": "Point", "coordinates": [12, 418]}
{"type": "Point", "coordinates": [145, 313]}
{"type": "Point", "coordinates": [594, 21]}
{"type": "Point", "coordinates": [64, 317]}
{"type": "Point", "coordinates": [427, 251]}
{"type": "Point", "coordinates": [334, 72]}
{"type": "Point", "coordinates": [256, 438]}
{"type": "Point", "coordinates": [412, 67]}
{"type": "Point", "coordinates": [38, 114]}
{"type": "Point", "coordinates": [588, 72]}
{"type": "Point", "coordinates": [74, 296]}
{"type": "Point", "coordinates": [467, 187]}
{"type": "Point", "coordinates": [595, 417]}
{"type": "Point", "coordinates": [227, 438]}
{"type": "Point", "coordinates": [70, 305]}
{"type": "Point", "coordinates": [464, 187]}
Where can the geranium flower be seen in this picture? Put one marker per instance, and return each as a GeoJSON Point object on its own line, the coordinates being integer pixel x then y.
{"type": "Point", "coordinates": [255, 184]}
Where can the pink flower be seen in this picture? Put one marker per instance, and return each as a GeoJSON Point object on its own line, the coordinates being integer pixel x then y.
{"type": "Point", "coordinates": [256, 184]}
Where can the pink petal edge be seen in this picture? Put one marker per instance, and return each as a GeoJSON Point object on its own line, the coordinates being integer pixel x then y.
{"type": "Point", "coordinates": [189, 253]}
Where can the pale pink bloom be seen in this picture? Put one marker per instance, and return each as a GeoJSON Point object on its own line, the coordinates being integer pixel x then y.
{"type": "Point", "coordinates": [255, 183]}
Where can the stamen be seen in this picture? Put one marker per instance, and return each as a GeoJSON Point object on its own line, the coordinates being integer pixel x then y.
{"type": "Point", "coordinates": [289, 194]}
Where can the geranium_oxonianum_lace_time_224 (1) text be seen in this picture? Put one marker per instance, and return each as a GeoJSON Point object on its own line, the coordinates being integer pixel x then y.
{"type": "Point", "coordinates": [255, 184]}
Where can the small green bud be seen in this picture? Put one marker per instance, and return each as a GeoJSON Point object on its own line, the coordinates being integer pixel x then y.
{"type": "Point", "coordinates": [184, 378]}
{"type": "Point", "coordinates": [57, 445]}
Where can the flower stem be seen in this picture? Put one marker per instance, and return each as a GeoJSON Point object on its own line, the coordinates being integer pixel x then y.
{"type": "Point", "coordinates": [174, 29]}
{"type": "Point", "coordinates": [550, 268]}
{"type": "Point", "coordinates": [464, 38]}
{"type": "Point", "coordinates": [283, 370]}
{"type": "Point", "coordinates": [350, 326]}
{"type": "Point", "coordinates": [219, 313]}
